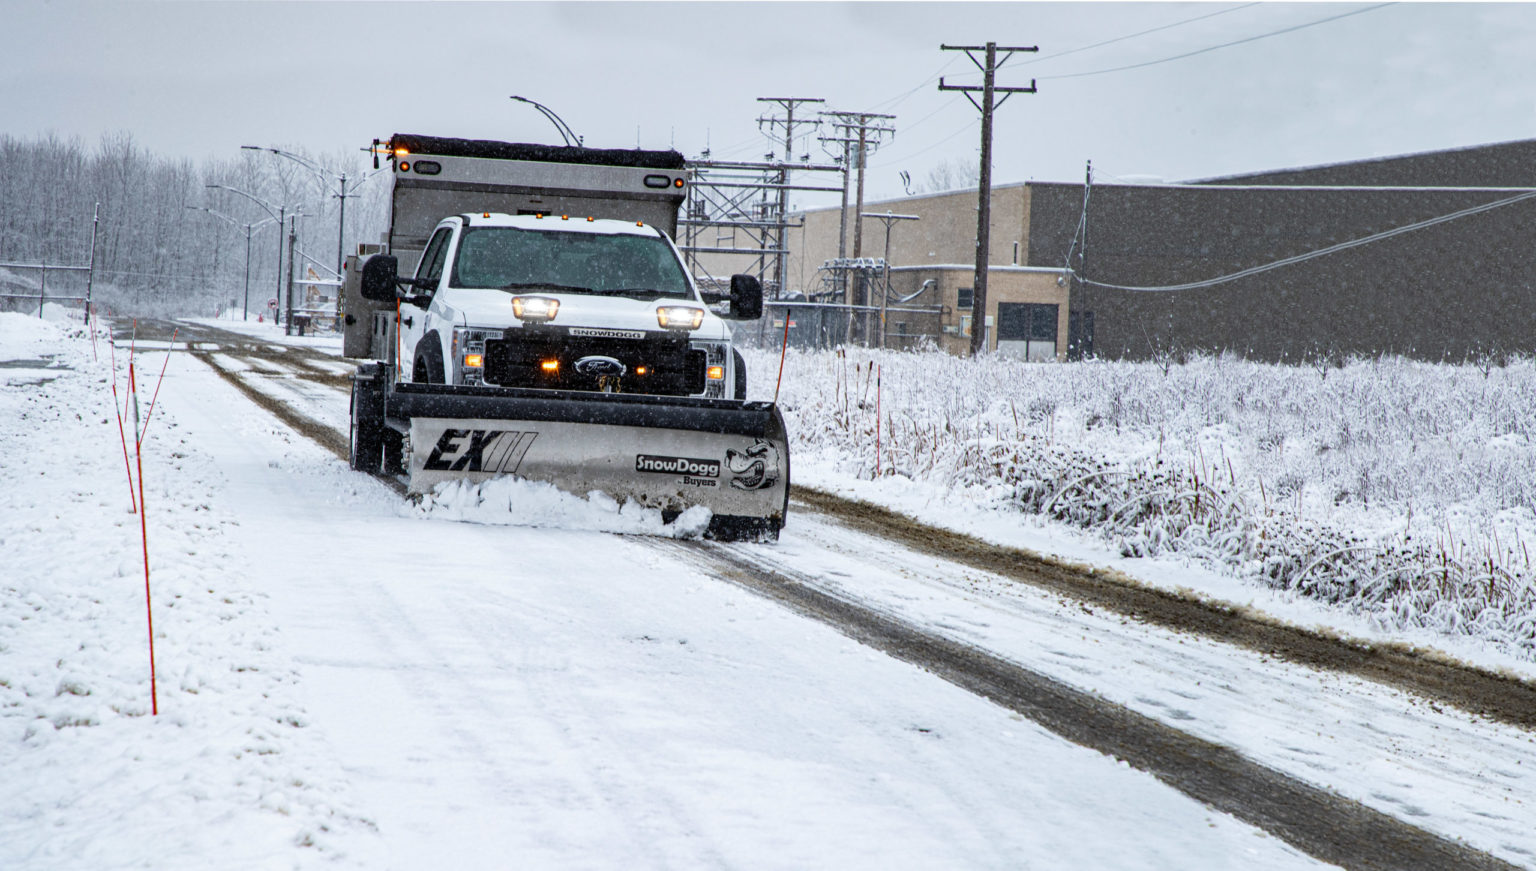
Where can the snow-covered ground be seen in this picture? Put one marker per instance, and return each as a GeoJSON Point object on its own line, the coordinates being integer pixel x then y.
{"type": "Point", "coordinates": [346, 680]}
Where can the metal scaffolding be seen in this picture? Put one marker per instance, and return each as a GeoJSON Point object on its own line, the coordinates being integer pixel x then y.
{"type": "Point", "coordinates": [738, 208]}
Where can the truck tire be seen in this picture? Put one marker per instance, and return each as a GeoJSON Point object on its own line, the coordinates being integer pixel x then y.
{"type": "Point", "coordinates": [741, 374]}
{"type": "Point", "coordinates": [366, 453]}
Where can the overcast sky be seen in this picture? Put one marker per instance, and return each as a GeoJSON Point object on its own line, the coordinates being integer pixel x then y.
{"type": "Point", "coordinates": [202, 79]}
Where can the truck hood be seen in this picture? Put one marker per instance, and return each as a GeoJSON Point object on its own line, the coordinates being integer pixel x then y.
{"type": "Point", "coordinates": [493, 309]}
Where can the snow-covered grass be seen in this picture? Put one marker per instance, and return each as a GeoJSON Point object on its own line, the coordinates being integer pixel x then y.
{"type": "Point", "coordinates": [78, 747]}
{"type": "Point", "coordinates": [1401, 490]}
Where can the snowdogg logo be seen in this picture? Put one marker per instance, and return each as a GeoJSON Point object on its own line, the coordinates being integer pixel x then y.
{"type": "Point", "coordinates": [678, 466]}
{"type": "Point", "coordinates": [756, 468]}
{"type": "Point", "coordinates": [479, 450]}
{"type": "Point", "coordinates": [595, 333]}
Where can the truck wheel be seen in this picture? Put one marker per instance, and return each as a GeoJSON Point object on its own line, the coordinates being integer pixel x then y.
{"type": "Point", "coordinates": [741, 374]}
{"type": "Point", "coordinates": [394, 452]}
{"type": "Point", "coordinates": [367, 442]}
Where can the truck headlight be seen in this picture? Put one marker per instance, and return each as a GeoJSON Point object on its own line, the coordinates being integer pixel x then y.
{"type": "Point", "coordinates": [679, 317]}
{"type": "Point", "coordinates": [535, 308]}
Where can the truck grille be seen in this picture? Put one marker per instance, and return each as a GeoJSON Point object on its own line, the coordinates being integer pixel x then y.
{"type": "Point", "coordinates": [660, 363]}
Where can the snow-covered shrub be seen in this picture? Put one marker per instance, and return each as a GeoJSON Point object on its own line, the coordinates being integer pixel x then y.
{"type": "Point", "coordinates": [1402, 489]}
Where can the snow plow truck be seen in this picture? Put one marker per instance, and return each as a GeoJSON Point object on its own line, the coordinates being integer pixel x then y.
{"type": "Point", "coordinates": [530, 315]}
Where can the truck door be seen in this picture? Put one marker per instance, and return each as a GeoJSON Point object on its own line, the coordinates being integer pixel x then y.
{"type": "Point", "coordinates": [413, 318]}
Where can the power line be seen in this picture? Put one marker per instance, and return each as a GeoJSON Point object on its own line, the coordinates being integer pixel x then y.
{"type": "Point", "coordinates": [1129, 36]}
{"type": "Point", "coordinates": [1212, 48]}
{"type": "Point", "coordinates": [745, 144]}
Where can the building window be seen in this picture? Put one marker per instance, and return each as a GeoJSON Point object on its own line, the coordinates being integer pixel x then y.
{"type": "Point", "coordinates": [967, 298]}
{"type": "Point", "coordinates": [1027, 330]}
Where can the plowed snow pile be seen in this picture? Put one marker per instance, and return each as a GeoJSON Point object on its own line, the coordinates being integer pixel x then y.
{"type": "Point", "coordinates": [516, 502]}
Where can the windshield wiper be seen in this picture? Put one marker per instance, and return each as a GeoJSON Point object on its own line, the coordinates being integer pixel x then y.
{"type": "Point", "coordinates": [645, 293]}
{"type": "Point", "coordinates": [544, 285]}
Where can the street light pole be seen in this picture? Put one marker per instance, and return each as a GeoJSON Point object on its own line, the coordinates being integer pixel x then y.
{"type": "Point", "coordinates": [279, 215]}
{"type": "Point", "coordinates": [325, 175]}
{"type": "Point", "coordinates": [245, 306]}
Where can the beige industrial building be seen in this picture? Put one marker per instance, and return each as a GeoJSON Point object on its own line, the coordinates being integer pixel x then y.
{"type": "Point", "coordinates": [932, 270]}
{"type": "Point", "coordinates": [1426, 255]}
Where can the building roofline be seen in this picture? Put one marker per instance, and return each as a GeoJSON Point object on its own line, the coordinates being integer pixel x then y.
{"type": "Point", "coordinates": [971, 267]}
{"type": "Point", "coordinates": [1360, 162]}
{"type": "Point", "coordinates": [914, 197]}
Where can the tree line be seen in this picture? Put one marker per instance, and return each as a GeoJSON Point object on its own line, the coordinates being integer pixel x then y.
{"type": "Point", "coordinates": [157, 253]}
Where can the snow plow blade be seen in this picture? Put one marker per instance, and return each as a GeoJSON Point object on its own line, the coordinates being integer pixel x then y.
{"type": "Point", "coordinates": [664, 452]}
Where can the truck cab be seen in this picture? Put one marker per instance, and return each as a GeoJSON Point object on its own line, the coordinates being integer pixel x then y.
{"type": "Point", "coordinates": [567, 303]}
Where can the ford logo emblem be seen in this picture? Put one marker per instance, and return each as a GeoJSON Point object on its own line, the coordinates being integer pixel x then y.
{"type": "Point", "coordinates": [600, 367]}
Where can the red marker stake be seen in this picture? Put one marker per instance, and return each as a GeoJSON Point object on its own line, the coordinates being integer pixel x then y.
{"type": "Point", "coordinates": [118, 408]}
{"type": "Point", "coordinates": [878, 371]}
{"type": "Point", "coordinates": [149, 613]}
{"type": "Point", "coordinates": [151, 413]}
{"type": "Point", "coordinates": [783, 349]}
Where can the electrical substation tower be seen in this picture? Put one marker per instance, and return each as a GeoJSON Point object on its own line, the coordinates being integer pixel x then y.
{"type": "Point", "coordinates": [858, 133]}
{"type": "Point", "coordinates": [732, 199]}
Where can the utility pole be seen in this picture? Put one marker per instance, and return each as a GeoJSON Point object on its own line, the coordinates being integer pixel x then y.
{"type": "Point", "coordinates": [987, 105]}
{"type": "Point", "coordinates": [90, 273]}
{"type": "Point", "coordinates": [866, 130]}
{"type": "Point", "coordinates": [888, 219]}
{"type": "Point", "coordinates": [293, 239]}
{"type": "Point", "coordinates": [770, 124]}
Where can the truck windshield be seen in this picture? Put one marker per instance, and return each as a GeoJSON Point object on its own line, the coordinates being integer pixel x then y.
{"type": "Point", "coordinates": [511, 258]}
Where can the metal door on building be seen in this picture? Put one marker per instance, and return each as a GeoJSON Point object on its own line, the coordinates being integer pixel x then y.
{"type": "Point", "coordinates": [1027, 330]}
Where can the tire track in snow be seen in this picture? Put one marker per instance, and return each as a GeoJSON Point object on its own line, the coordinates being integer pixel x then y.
{"type": "Point", "coordinates": [1324, 825]}
{"type": "Point", "coordinates": [1427, 674]}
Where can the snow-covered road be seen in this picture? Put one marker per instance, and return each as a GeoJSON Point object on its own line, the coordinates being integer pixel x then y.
{"type": "Point", "coordinates": [365, 686]}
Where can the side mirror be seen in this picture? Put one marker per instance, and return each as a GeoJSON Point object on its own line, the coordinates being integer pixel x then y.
{"type": "Point", "coordinates": [380, 277]}
{"type": "Point", "coordinates": [746, 298]}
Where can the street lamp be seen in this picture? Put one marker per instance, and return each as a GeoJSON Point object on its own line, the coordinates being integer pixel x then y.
{"type": "Point", "coordinates": [563, 128]}
{"type": "Point", "coordinates": [279, 214]}
{"type": "Point", "coordinates": [245, 310]}
{"type": "Point", "coordinates": [325, 175]}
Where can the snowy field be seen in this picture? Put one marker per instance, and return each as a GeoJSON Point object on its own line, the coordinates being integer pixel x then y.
{"type": "Point", "coordinates": [349, 681]}
{"type": "Point", "coordinates": [1403, 493]}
